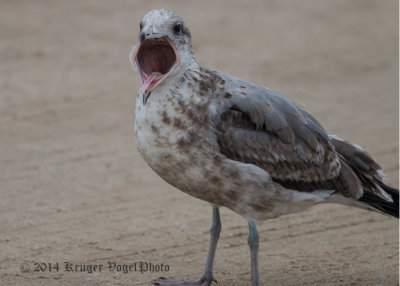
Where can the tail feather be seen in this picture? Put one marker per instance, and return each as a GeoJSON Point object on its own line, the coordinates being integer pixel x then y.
{"type": "Point", "coordinates": [381, 205]}
{"type": "Point", "coordinates": [394, 193]}
{"type": "Point", "coordinates": [376, 194]}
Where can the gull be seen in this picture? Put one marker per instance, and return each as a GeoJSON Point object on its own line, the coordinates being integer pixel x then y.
{"type": "Point", "coordinates": [239, 145]}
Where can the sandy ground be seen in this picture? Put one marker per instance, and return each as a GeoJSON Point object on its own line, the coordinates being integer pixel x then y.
{"type": "Point", "coordinates": [74, 189]}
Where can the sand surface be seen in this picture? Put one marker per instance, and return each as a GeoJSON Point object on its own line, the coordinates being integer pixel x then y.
{"type": "Point", "coordinates": [74, 189]}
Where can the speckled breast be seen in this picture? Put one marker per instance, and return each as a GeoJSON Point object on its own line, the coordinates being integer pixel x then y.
{"type": "Point", "coordinates": [176, 144]}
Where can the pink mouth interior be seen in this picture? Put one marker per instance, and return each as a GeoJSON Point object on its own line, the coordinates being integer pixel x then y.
{"type": "Point", "coordinates": [155, 58]}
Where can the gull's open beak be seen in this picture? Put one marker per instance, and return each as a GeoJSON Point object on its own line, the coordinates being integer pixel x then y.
{"type": "Point", "coordinates": [154, 57]}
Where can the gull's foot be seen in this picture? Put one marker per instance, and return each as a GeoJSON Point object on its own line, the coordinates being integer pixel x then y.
{"type": "Point", "coordinates": [179, 282]}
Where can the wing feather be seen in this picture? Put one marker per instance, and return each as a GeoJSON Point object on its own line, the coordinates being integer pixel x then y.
{"type": "Point", "coordinates": [256, 125]}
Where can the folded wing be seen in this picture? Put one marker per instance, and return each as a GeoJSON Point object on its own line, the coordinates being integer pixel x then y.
{"type": "Point", "coordinates": [256, 125]}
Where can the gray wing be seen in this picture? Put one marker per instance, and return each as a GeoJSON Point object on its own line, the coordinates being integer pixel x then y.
{"type": "Point", "coordinates": [256, 125]}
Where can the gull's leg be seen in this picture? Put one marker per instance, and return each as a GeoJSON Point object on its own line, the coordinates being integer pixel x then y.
{"type": "Point", "coordinates": [214, 231]}
{"type": "Point", "coordinates": [253, 244]}
{"type": "Point", "coordinates": [207, 277]}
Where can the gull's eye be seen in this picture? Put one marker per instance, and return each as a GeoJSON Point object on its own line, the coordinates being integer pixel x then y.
{"type": "Point", "coordinates": [178, 28]}
{"type": "Point", "coordinates": [141, 26]}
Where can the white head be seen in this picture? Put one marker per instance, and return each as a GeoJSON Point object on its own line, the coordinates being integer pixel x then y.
{"type": "Point", "coordinates": [164, 49]}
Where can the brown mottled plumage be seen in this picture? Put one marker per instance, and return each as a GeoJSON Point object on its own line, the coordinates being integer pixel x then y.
{"type": "Point", "coordinates": [237, 144]}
